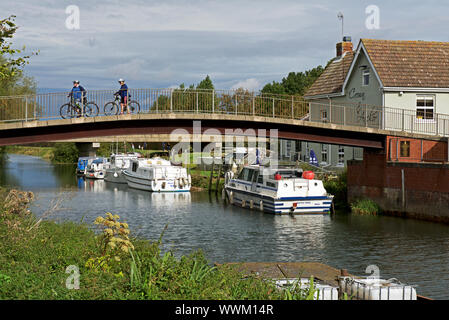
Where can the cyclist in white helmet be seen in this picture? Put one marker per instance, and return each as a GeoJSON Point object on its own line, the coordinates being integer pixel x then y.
{"type": "Point", "coordinates": [123, 92]}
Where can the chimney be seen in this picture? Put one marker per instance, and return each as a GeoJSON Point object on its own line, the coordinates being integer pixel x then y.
{"type": "Point", "coordinates": [344, 46]}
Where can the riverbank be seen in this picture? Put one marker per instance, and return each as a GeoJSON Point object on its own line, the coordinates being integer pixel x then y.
{"type": "Point", "coordinates": [40, 259]}
{"type": "Point", "coordinates": [46, 153]}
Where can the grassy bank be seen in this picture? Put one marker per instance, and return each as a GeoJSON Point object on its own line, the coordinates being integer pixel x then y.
{"type": "Point", "coordinates": [338, 187]}
{"type": "Point", "coordinates": [39, 260]}
{"type": "Point", "coordinates": [45, 153]}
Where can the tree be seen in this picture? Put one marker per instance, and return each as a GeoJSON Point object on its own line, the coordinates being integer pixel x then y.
{"type": "Point", "coordinates": [206, 83]}
{"type": "Point", "coordinates": [65, 152]}
{"type": "Point", "coordinates": [10, 66]}
{"type": "Point", "coordinates": [296, 83]}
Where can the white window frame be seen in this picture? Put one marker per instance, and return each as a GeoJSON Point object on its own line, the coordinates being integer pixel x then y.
{"type": "Point", "coordinates": [425, 97]}
{"type": "Point", "coordinates": [364, 73]}
{"type": "Point", "coordinates": [341, 153]}
{"type": "Point", "coordinates": [324, 154]}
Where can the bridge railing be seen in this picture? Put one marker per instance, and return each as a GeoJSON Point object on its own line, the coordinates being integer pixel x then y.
{"type": "Point", "coordinates": [239, 102]}
{"type": "Point", "coordinates": [47, 106]}
{"type": "Point", "coordinates": [371, 116]}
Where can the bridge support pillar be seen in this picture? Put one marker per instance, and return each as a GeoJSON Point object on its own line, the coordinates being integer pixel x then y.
{"type": "Point", "coordinates": [87, 149]}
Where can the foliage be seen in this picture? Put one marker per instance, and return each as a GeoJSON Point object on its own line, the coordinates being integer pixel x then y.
{"type": "Point", "coordinates": [10, 66]}
{"type": "Point", "coordinates": [365, 207]}
{"type": "Point", "coordinates": [115, 235]}
{"type": "Point", "coordinates": [107, 148]}
{"type": "Point", "coordinates": [33, 265]}
{"type": "Point", "coordinates": [296, 83]}
{"type": "Point", "coordinates": [338, 187]}
{"type": "Point", "coordinates": [65, 152]}
{"type": "Point", "coordinates": [17, 202]}
{"type": "Point", "coordinates": [42, 152]}
{"type": "Point", "coordinates": [206, 83]}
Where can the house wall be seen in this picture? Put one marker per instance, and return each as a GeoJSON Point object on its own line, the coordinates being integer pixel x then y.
{"type": "Point", "coordinates": [361, 105]}
{"type": "Point", "coordinates": [407, 101]}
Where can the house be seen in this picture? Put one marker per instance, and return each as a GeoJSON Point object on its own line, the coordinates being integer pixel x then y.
{"type": "Point", "coordinates": [380, 78]}
{"type": "Point", "coordinates": [389, 84]}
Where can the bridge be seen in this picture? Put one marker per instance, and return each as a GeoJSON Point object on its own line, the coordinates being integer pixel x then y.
{"type": "Point", "coordinates": [37, 118]}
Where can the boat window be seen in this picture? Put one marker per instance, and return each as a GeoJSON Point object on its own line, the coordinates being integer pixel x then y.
{"type": "Point", "coordinates": [260, 178]}
{"type": "Point", "coordinates": [255, 176]}
{"type": "Point", "coordinates": [243, 174]}
{"type": "Point", "coordinates": [135, 165]}
{"type": "Point", "coordinates": [250, 175]}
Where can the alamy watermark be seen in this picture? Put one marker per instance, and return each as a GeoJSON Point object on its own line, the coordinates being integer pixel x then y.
{"type": "Point", "coordinates": [372, 21]}
{"type": "Point", "coordinates": [72, 281]}
{"type": "Point", "coordinates": [72, 22]}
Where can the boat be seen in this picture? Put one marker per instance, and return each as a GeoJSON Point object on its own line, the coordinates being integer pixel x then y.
{"type": "Point", "coordinates": [97, 169]}
{"type": "Point", "coordinates": [282, 190]}
{"type": "Point", "coordinates": [157, 175]}
{"type": "Point", "coordinates": [118, 163]}
{"type": "Point", "coordinates": [82, 164]}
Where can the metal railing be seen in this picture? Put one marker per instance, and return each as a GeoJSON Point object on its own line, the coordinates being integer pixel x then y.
{"type": "Point", "coordinates": [238, 102]}
{"type": "Point", "coordinates": [47, 106]}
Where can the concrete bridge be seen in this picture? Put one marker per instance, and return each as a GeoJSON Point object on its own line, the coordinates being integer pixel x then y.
{"type": "Point", "coordinates": [29, 119]}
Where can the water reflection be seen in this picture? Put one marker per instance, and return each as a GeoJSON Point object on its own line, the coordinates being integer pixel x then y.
{"type": "Point", "coordinates": [413, 251]}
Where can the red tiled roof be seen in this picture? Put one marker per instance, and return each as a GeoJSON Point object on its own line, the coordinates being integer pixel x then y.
{"type": "Point", "coordinates": [403, 63]}
{"type": "Point", "coordinates": [332, 78]}
{"type": "Point", "coordinates": [399, 63]}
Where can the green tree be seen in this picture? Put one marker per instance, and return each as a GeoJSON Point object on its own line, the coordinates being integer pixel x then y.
{"type": "Point", "coordinates": [296, 83]}
{"type": "Point", "coordinates": [206, 83]}
{"type": "Point", "coordinates": [65, 152]}
{"type": "Point", "coordinates": [11, 65]}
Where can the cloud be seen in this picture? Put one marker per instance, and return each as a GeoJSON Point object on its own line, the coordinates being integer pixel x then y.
{"type": "Point", "coordinates": [249, 84]}
{"type": "Point", "coordinates": [159, 43]}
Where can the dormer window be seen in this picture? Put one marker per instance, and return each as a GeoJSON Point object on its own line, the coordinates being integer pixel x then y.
{"type": "Point", "coordinates": [365, 77]}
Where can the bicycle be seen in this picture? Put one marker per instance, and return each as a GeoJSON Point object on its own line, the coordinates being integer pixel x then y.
{"type": "Point", "coordinates": [74, 109]}
{"type": "Point", "coordinates": [113, 107]}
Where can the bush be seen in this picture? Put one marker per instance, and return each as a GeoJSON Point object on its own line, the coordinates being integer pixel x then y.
{"type": "Point", "coordinates": [65, 152]}
{"type": "Point", "coordinates": [365, 206]}
{"type": "Point", "coordinates": [339, 189]}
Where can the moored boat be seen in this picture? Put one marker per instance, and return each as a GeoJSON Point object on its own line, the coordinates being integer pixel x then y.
{"type": "Point", "coordinates": [97, 169]}
{"type": "Point", "coordinates": [82, 164]}
{"type": "Point", "coordinates": [277, 190]}
{"type": "Point", "coordinates": [118, 163]}
{"type": "Point", "coordinates": [157, 175]}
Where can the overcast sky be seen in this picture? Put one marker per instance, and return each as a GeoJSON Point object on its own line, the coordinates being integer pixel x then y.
{"type": "Point", "coordinates": [160, 44]}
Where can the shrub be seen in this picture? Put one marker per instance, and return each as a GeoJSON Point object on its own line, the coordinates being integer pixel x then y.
{"type": "Point", "coordinates": [365, 206]}
{"type": "Point", "coordinates": [66, 152]}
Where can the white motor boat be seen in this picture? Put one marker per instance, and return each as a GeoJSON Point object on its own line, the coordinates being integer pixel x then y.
{"type": "Point", "coordinates": [157, 175]}
{"type": "Point", "coordinates": [97, 169]}
{"type": "Point", "coordinates": [119, 162]}
{"type": "Point", "coordinates": [277, 191]}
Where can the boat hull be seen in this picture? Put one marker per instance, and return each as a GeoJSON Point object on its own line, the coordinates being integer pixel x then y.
{"type": "Point", "coordinates": [140, 183]}
{"type": "Point", "coordinates": [115, 176]}
{"type": "Point", "coordinates": [95, 175]}
{"type": "Point", "coordinates": [279, 206]}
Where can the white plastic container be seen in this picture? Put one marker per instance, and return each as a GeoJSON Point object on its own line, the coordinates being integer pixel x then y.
{"type": "Point", "coordinates": [377, 289]}
{"type": "Point", "coordinates": [323, 291]}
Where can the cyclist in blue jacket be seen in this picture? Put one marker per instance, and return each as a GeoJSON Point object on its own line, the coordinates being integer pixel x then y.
{"type": "Point", "coordinates": [123, 93]}
{"type": "Point", "coordinates": [78, 94]}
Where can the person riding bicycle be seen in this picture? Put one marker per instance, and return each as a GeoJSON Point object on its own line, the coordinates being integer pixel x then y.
{"type": "Point", "coordinates": [123, 93]}
{"type": "Point", "coordinates": [77, 94]}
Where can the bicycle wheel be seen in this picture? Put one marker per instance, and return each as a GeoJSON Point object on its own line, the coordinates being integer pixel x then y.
{"type": "Point", "coordinates": [66, 111]}
{"type": "Point", "coordinates": [111, 109]}
{"type": "Point", "coordinates": [134, 107]}
{"type": "Point", "coordinates": [91, 109]}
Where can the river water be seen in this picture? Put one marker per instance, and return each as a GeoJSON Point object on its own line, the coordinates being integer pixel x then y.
{"type": "Point", "coordinates": [415, 252]}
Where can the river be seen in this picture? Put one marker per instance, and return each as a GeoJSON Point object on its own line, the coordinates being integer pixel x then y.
{"type": "Point", "coordinates": [415, 252]}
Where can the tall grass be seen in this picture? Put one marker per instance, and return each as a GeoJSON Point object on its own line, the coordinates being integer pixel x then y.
{"type": "Point", "coordinates": [33, 263]}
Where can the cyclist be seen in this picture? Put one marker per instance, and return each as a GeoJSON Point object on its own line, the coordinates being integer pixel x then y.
{"type": "Point", "coordinates": [123, 93]}
{"type": "Point", "coordinates": [77, 94]}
